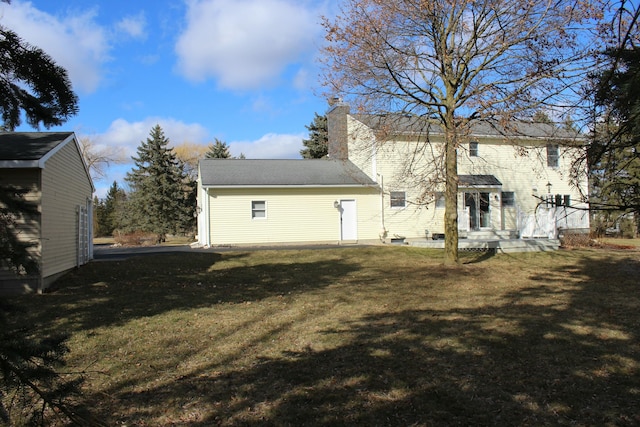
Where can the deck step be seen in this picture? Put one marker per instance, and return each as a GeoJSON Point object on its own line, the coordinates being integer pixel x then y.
{"type": "Point", "coordinates": [492, 234]}
{"type": "Point", "coordinates": [497, 245]}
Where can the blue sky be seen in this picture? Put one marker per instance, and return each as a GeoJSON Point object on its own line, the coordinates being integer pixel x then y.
{"type": "Point", "coordinates": [243, 71]}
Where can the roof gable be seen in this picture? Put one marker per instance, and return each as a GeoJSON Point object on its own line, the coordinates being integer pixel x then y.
{"type": "Point", "coordinates": [28, 149]}
{"type": "Point", "coordinates": [33, 149]}
{"type": "Point", "coordinates": [281, 173]}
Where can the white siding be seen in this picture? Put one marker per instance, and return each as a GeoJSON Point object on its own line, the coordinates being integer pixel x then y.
{"type": "Point", "coordinates": [415, 168]}
{"type": "Point", "coordinates": [293, 215]}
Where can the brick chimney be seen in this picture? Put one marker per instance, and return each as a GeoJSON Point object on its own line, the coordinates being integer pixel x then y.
{"type": "Point", "coordinates": [337, 129]}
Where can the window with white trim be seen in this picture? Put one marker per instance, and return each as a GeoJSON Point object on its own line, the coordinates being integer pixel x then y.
{"type": "Point", "coordinates": [440, 201]}
{"type": "Point", "coordinates": [508, 199]}
{"type": "Point", "coordinates": [258, 209]}
{"type": "Point", "coordinates": [473, 149]}
{"type": "Point", "coordinates": [398, 199]}
{"type": "Point", "coordinates": [553, 156]}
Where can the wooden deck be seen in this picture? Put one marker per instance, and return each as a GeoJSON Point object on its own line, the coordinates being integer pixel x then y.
{"type": "Point", "coordinates": [494, 245]}
{"type": "Point", "coordinates": [503, 241]}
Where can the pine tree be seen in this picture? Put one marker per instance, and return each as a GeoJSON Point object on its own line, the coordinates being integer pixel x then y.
{"type": "Point", "coordinates": [14, 253]}
{"type": "Point", "coordinates": [98, 217]}
{"type": "Point", "coordinates": [614, 154]}
{"type": "Point", "coordinates": [29, 377]}
{"type": "Point", "coordinates": [159, 201]}
{"type": "Point", "coordinates": [30, 381]}
{"type": "Point", "coordinates": [218, 150]}
{"type": "Point", "coordinates": [32, 84]}
{"type": "Point", "coordinates": [317, 144]}
{"type": "Point", "coordinates": [32, 87]}
{"type": "Point", "coordinates": [109, 210]}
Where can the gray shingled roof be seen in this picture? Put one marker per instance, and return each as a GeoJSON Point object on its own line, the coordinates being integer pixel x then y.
{"type": "Point", "coordinates": [281, 173]}
{"type": "Point", "coordinates": [412, 125]}
{"type": "Point", "coordinates": [29, 146]}
{"type": "Point", "coordinates": [478, 180]}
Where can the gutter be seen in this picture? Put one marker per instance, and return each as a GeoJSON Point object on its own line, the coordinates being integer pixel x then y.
{"type": "Point", "coordinates": [372, 185]}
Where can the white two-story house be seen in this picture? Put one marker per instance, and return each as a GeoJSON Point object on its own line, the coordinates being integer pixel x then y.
{"type": "Point", "coordinates": [514, 182]}
{"type": "Point", "coordinates": [383, 180]}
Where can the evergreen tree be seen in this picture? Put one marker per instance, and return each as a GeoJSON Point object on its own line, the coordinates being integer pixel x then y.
{"type": "Point", "coordinates": [159, 201]}
{"type": "Point", "coordinates": [109, 211]}
{"type": "Point", "coordinates": [114, 205]}
{"type": "Point", "coordinates": [30, 380]}
{"type": "Point", "coordinates": [14, 209]}
{"type": "Point", "coordinates": [98, 217]}
{"type": "Point", "coordinates": [614, 154]}
{"type": "Point", "coordinates": [316, 147]}
{"type": "Point", "coordinates": [218, 150]}
{"type": "Point", "coordinates": [32, 83]}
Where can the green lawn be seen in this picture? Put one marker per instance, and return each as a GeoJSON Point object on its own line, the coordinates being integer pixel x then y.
{"type": "Point", "coordinates": [354, 336]}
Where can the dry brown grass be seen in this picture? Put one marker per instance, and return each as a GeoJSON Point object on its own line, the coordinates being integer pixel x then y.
{"type": "Point", "coordinates": [354, 336]}
{"type": "Point", "coordinates": [140, 239]}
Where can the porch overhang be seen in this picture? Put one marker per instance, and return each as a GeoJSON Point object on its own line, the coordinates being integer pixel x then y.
{"type": "Point", "coordinates": [478, 181]}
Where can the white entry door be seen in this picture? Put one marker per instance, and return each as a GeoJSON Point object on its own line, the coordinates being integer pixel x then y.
{"type": "Point", "coordinates": [348, 220]}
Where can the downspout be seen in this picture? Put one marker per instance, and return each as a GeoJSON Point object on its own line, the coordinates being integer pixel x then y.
{"type": "Point", "coordinates": [207, 219]}
{"type": "Point", "coordinates": [90, 227]}
{"type": "Point", "coordinates": [383, 232]}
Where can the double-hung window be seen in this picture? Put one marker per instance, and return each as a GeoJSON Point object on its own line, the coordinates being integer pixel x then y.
{"type": "Point", "coordinates": [473, 149]}
{"type": "Point", "coordinates": [398, 199]}
{"type": "Point", "coordinates": [508, 199]}
{"type": "Point", "coordinates": [440, 200]}
{"type": "Point", "coordinates": [258, 209]}
{"type": "Point", "coordinates": [553, 156]}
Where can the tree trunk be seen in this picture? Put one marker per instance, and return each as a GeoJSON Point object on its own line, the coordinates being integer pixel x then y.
{"type": "Point", "coordinates": [451, 200]}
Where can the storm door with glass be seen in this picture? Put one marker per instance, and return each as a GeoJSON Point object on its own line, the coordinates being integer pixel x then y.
{"type": "Point", "coordinates": [477, 204]}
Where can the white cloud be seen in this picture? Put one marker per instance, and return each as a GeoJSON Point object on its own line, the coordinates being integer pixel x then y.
{"type": "Point", "coordinates": [302, 80]}
{"type": "Point", "coordinates": [244, 43]}
{"type": "Point", "coordinates": [125, 137]}
{"type": "Point", "coordinates": [128, 135]}
{"type": "Point", "coordinates": [75, 42]}
{"type": "Point", "coordinates": [133, 26]}
{"type": "Point", "coordinates": [270, 146]}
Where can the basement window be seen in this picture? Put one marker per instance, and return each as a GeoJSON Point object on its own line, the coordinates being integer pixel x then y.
{"type": "Point", "coordinates": [258, 209]}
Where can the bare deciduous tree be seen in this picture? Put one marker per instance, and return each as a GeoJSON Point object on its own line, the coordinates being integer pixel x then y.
{"type": "Point", "coordinates": [190, 154]}
{"type": "Point", "coordinates": [455, 63]}
{"type": "Point", "coordinates": [99, 158]}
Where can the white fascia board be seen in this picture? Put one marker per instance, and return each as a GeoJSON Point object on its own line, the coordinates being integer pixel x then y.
{"type": "Point", "coordinates": [290, 186]}
{"type": "Point", "coordinates": [36, 163]}
{"type": "Point", "coordinates": [19, 164]}
{"type": "Point", "coordinates": [551, 138]}
{"type": "Point", "coordinates": [478, 186]}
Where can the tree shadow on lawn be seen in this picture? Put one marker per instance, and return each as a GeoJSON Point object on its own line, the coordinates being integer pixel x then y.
{"type": "Point", "coordinates": [104, 294]}
{"type": "Point", "coordinates": [548, 354]}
